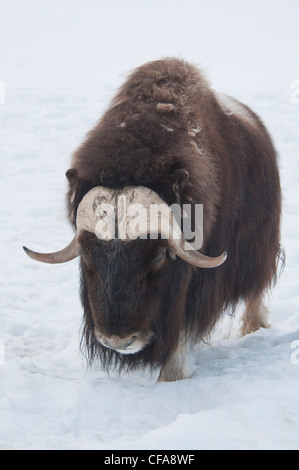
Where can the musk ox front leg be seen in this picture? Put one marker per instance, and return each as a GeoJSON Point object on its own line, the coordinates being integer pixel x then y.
{"type": "Point", "coordinates": [176, 368]}
{"type": "Point", "coordinates": [255, 316]}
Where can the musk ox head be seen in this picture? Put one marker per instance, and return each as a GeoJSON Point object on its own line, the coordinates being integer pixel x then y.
{"type": "Point", "coordinates": [135, 267]}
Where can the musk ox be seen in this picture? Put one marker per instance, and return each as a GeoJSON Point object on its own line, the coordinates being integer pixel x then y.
{"type": "Point", "coordinates": [168, 138]}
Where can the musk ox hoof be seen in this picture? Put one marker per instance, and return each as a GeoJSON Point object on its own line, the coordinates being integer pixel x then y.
{"type": "Point", "coordinates": [174, 376]}
{"type": "Point", "coordinates": [254, 317]}
{"type": "Point", "coordinates": [249, 328]}
{"type": "Point", "coordinates": [176, 368]}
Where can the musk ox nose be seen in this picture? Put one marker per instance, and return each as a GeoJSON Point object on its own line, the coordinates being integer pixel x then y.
{"type": "Point", "coordinates": [122, 345]}
{"type": "Point", "coordinates": [117, 343]}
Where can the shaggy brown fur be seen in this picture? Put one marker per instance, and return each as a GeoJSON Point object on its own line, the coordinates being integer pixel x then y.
{"type": "Point", "coordinates": [167, 130]}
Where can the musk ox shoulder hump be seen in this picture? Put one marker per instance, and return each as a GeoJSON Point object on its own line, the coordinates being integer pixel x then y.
{"type": "Point", "coordinates": [168, 82]}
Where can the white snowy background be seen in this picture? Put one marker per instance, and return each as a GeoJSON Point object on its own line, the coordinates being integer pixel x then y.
{"type": "Point", "coordinates": [61, 62]}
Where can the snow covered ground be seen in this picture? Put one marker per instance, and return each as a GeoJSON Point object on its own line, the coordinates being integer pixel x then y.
{"type": "Point", "coordinates": [60, 63]}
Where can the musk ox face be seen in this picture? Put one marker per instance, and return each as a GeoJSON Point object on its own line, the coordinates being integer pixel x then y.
{"type": "Point", "coordinates": [125, 283]}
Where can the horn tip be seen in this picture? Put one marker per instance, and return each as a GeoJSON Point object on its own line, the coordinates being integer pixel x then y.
{"type": "Point", "coordinates": [27, 251]}
{"type": "Point", "coordinates": [223, 257]}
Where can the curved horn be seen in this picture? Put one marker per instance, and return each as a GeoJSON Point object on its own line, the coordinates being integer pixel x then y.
{"type": "Point", "coordinates": [85, 221]}
{"type": "Point", "coordinates": [195, 257]}
{"type": "Point", "coordinates": [67, 254]}
{"type": "Point", "coordinates": [183, 249]}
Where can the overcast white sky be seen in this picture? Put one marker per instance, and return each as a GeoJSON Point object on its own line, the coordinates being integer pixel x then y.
{"type": "Point", "coordinates": [91, 43]}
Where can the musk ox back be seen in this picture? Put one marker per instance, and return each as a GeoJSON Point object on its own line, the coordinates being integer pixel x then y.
{"type": "Point", "coordinates": [168, 138]}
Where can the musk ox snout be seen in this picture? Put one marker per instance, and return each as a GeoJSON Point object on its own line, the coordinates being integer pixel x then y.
{"type": "Point", "coordinates": [128, 345]}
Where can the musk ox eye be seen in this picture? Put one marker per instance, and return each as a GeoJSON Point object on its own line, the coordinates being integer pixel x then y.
{"type": "Point", "coordinates": [160, 257]}
{"type": "Point", "coordinates": [159, 260]}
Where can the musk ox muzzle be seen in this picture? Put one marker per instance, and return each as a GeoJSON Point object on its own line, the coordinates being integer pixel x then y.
{"type": "Point", "coordinates": [129, 345]}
